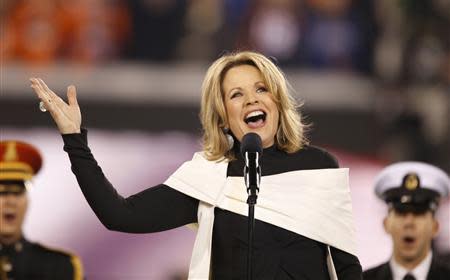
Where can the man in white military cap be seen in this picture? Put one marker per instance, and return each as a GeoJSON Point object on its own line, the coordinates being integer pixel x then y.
{"type": "Point", "coordinates": [412, 191]}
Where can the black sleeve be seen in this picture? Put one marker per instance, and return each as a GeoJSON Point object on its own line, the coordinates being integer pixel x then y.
{"type": "Point", "coordinates": [154, 209]}
{"type": "Point", "coordinates": [347, 265]}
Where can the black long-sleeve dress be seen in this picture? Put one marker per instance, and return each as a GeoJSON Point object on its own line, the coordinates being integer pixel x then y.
{"type": "Point", "coordinates": [278, 253]}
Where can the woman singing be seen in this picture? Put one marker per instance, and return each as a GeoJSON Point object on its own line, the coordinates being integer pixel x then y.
{"type": "Point", "coordinates": [304, 226]}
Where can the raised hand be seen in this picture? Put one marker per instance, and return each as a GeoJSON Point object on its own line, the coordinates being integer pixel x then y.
{"type": "Point", "coordinates": [67, 116]}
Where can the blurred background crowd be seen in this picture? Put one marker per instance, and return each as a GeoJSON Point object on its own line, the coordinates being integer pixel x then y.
{"type": "Point", "coordinates": [401, 47]}
{"type": "Point", "coordinates": [374, 74]}
{"type": "Point", "coordinates": [397, 41]}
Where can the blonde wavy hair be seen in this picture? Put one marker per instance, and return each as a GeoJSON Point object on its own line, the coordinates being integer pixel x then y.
{"type": "Point", "coordinates": [290, 134]}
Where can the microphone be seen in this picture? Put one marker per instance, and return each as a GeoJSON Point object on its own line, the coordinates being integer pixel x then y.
{"type": "Point", "coordinates": [251, 150]}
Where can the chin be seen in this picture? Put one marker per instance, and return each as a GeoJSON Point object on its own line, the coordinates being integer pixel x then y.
{"type": "Point", "coordinates": [7, 233]}
{"type": "Point", "coordinates": [410, 255]}
{"type": "Point", "coordinates": [266, 137]}
{"type": "Point", "coordinates": [267, 140]}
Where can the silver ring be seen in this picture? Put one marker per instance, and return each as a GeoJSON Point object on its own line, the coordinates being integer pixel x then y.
{"type": "Point", "coordinates": [42, 107]}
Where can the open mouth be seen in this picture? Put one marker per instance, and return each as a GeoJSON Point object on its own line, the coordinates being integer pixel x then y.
{"type": "Point", "coordinates": [409, 240]}
{"type": "Point", "coordinates": [9, 217]}
{"type": "Point", "coordinates": [255, 119]}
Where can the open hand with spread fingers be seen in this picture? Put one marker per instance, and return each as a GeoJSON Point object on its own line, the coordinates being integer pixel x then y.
{"type": "Point", "coordinates": [67, 116]}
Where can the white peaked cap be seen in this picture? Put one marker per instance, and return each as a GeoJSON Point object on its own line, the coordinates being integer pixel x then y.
{"type": "Point", "coordinates": [430, 176]}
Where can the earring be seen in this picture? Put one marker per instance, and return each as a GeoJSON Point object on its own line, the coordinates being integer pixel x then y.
{"type": "Point", "coordinates": [230, 138]}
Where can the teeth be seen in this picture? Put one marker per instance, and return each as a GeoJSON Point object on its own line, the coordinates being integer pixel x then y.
{"type": "Point", "coordinates": [254, 114]}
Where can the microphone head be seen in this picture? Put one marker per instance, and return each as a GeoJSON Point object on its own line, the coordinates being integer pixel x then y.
{"type": "Point", "coordinates": [251, 142]}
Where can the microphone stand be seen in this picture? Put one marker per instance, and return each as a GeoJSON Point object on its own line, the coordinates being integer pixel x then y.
{"type": "Point", "coordinates": [252, 173]}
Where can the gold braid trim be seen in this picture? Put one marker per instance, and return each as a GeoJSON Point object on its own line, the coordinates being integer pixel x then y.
{"type": "Point", "coordinates": [77, 267]}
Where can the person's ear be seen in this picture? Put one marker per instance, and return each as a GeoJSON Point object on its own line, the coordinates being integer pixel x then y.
{"type": "Point", "coordinates": [386, 225]}
{"type": "Point", "coordinates": [435, 227]}
{"type": "Point", "coordinates": [27, 201]}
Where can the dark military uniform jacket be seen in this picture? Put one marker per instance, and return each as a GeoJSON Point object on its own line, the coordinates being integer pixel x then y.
{"type": "Point", "coordinates": [438, 271]}
{"type": "Point", "coordinates": [25, 260]}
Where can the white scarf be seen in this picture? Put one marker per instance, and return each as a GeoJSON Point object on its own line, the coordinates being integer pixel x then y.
{"type": "Point", "coordinates": [313, 203]}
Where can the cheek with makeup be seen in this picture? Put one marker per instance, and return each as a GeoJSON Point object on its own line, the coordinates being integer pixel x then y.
{"type": "Point", "coordinates": [249, 105]}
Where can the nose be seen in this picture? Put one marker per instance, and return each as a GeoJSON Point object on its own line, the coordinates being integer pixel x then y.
{"type": "Point", "coordinates": [408, 220]}
{"type": "Point", "coordinates": [252, 98]}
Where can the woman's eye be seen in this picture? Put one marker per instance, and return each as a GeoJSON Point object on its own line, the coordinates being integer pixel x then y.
{"type": "Point", "coordinates": [236, 94]}
{"type": "Point", "coordinates": [261, 89]}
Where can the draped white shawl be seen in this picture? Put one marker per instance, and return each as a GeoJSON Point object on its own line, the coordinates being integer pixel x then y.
{"type": "Point", "coordinates": [313, 203]}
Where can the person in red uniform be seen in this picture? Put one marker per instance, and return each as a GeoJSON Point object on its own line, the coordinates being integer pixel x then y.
{"type": "Point", "coordinates": [21, 259]}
